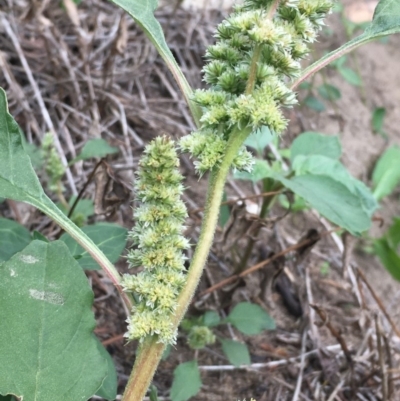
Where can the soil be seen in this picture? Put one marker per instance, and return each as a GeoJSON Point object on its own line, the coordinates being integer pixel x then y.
{"type": "Point", "coordinates": [109, 82]}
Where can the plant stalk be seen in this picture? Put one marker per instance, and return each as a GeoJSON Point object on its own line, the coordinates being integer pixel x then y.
{"type": "Point", "coordinates": [150, 351]}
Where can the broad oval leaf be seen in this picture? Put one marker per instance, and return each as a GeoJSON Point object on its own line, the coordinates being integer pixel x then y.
{"type": "Point", "coordinates": [236, 352]}
{"type": "Point", "coordinates": [110, 238]}
{"type": "Point", "coordinates": [314, 143]}
{"type": "Point", "coordinates": [187, 381]}
{"type": "Point", "coordinates": [321, 165]}
{"type": "Point", "coordinates": [46, 299]}
{"type": "Point", "coordinates": [13, 238]}
{"type": "Point", "coordinates": [388, 256]}
{"type": "Point", "coordinates": [250, 318]}
{"type": "Point", "coordinates": [386, 174]}
{"type": "Point", "coordinates": [386, 18]}
{"type": "Point", "coordinates": [332, 199]}
{"type": "Point", "coordinates": [97, 147]}
{"type": "Point", "coordinates": [108, 389]}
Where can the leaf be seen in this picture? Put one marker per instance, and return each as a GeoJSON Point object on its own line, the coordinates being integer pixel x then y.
{"type": "Point", "coordinates": [332, 199]}
{"type": "Point", "coordinates": [110, 238]}
{"type": "Point", "coordinates": [314, 103]}
{"type": "Point", "coordinates": [386, 21]}
{"type": "Point", "coordinates": [6, 398]}
{"type": "Point", "coordinates": [329, 92]}
{"type": "Point", "coordinates": [259, 139]}
{"type": "Point", "coordinates": [82, 211]}
{"type": "Point", "coordinates": [187, 381]}
{"type": "Point", "coordinates": [250, 318]}
{"type": "Point", "coordinates": [261, 169]}
{"type": "Point", "coordinates": [314, 143]}
{"type": "Point", "coordinates": [321, 165]}
{"type": "Point", "coordinates": [236, 352]}
{"type": "Point", "coordinates": [388, 256]}
{"type": "Point", "coordinates": [13, 238]}
{"type": "Point", "coordinates": [386, 18]}
{"type": "Point", "coordinates": [350, 76]}
{"type": "Point", "coordinates": [142, 11]}
{"type": "Point", "coordinates": [18, 180]}
{"type": "Point", "coordinates": [46, 299]}
{"type": "Point", "coordinates": [95, 148]}
{"type": "Point", "coordinates": [211, 319]}
{"type": "Point", "coordinates": [386, 174]}
{"type": "Point", "coordinates": [393, 234]}
{"type": "Point", "coordinates": [108, 389]}
{"type": "Point", "coordinates": [378, 117]}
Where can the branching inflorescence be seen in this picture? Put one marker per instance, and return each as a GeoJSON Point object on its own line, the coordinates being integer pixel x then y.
{"type": "Point", "coordinates": [248, 69]}
{"type": "Point", "coordinates": [257, 53]}
{"type": "Point", "coordinates": [159, 242]}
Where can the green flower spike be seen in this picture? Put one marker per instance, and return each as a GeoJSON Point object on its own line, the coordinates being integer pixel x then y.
{"type": "Point", "coordinates": [159, 243]}
{"type": "Point", "coordinates": [248, 72]}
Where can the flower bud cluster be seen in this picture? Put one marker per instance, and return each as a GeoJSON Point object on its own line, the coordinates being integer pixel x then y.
{"type": "Point", "coordinates": [159, 243]}
{"type": "Point", "coordinates": [54, 167]}
{"type": "Point", "coordinates": [247, 72]}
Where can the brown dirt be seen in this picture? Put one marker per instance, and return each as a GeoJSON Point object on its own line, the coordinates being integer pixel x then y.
{"type": "Point", "coordinates": [109, 82]}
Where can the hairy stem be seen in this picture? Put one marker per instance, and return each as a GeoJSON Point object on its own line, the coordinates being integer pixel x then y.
{"type": "Point", "coordinates": [150, 351]}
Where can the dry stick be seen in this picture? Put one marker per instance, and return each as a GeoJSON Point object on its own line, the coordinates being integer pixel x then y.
{"type": "Point", "coordinates": [381, 360]}
{"type": "Point", "coordinates": [302, 363]}
{"type": "Point", "coordinates": [324, 317]}
{"type": "Point", "coordinates": [379, 302]}
{"type": "Point", "coordinates": [270, 365]}
{"type": "Point", "coordinates": [233, 201]}
{"type": "Point", "coordinates": [39, 99]}
{"type": "Point", "coordinates": [257, 266]}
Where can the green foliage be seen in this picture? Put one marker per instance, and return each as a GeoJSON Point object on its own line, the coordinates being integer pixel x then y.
{"type": "Point", "coordinates": [259, 140]}
{"type": "Point", "coordinates": [388, 250]}
{"type": "Point", "coordinates": [386, 174]}
{"type": "Point", "coordinates": [46, 299]}
{"type": "Point", "coordinates": [95, 148]}
{"type": "Point", "coordinates": [378, 118]}
{"type": "Point", "coordinates": [82, 211]}
{"type": "Point", "coordinates": [187, 381]}
{"type": "Point", "coordinates": [329, 92]}
{"type": "Point", "coordinates": [346, 72]}
{"type": "Point", "coordinates": [108, 389]}
{"type": "Point", "coordinates": [199, 337]}
{"type": "Point", "coordinates": [236, 352]}
{"type": "Point", "coordinates": [314, 103]}
{"type": "Point", "coordinates": [250, 318]}
{"type": "Point", "coordinates": [13, 238]}
{"type": "Point", "coordinates": [110, 238]}
{"type": "Point", "coordinates": [224, 213]}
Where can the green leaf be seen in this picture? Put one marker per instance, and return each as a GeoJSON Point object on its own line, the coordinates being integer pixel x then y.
{"type": "Point", "coordinates": [329, 92]}
{"type": "Point", "coordinates": [386, 18]}
{"type": "Point", "coordinates": [187, 381]}
{"type": "Point", "coordinates": [142, 11]}
{"type": "Point", "coordinates": [259, 139]}
{"type": "Point", "coordinates": [386, 174]}
{"type": "Point", "coordinates": [211, 319]}
{"type": "Point", "coordinates": [18, 180]}
{"type": "Point", "coordinates": [378, 117]}
{"type": "Point", "coordinates": [95, 148]}
{"type": "Point", "coordinates": [46, 299]}
{"type": "Point", "coordinates": [388, 256]}
{"type": "Point", "coordinates": [321, 165]}
{"type": "Point", "coordinates": [6, 398]}
{"type": "Point", "coordinates": [110, 238]}
{"type": "Point", "coordinates": [82, 211]}
{"type": "Point", "coordinates": [393, 234]}
{"type": "Point", "coordinates": [250, 318]}
{"type": "Point", "coordinates": [108, 389]}
{"type": "Point", "coordinates": [386, 21]}
{"type": "Point", "coordinates": [261, 169]}
{"type": "Point", "coordinates": [350, 76]}
{"type": "Point", "coordinates": [314, 143]}
{"type": "Point", "coordinates": [314, 103]}
{"type": "Point", "coordinates": [236, 352]}
{"type": "Point", "coordinates": [13, 238]}
{"type": "Point", "coordinates": [332, 199]}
